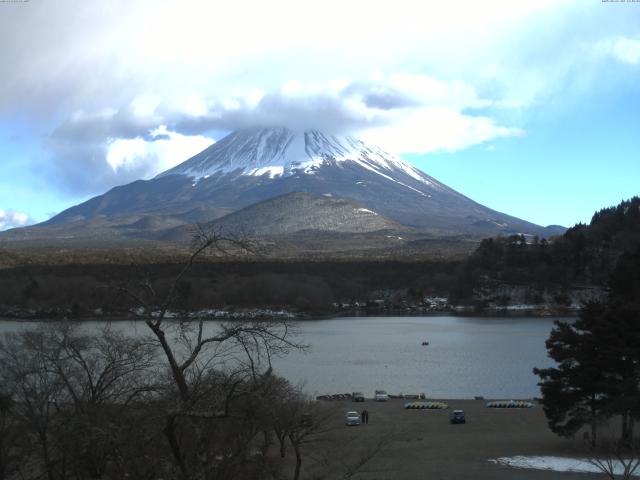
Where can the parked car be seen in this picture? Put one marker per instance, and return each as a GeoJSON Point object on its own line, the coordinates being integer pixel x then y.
{"type": "Point", "coordinates": [381, 396]}
{"type": "Point", "coordinates": [457, 416]}
{"type": "Point", "coordinates": [352, 419]}
{"type": "Point", "coordinates": [357, 397]}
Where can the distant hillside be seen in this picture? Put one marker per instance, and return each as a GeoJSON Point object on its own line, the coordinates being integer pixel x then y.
{"type": "Point", "coordinates": [297, 211]}
{"type": "Point", "coordinates": [583, 255]}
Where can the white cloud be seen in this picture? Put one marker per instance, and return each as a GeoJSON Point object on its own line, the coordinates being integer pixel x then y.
{"type": "Point", "coordinates": [92, 151]}
{"type": "Point", "coordinates": [402, 112]}
{"type": "Point", "coordinates": [163, 150]}
{"type": "Point", "coordinates": [12, 219]}
{"type": "Point", "coordinates": [627, 50]}
{"type": "Point", "coordinates": [437, 129]}
{"type": "Point", "coordinates": [145, 104]}
{"type": "Point", "coordinates": [433, 91]}
{"type": "Point", "coordinates": [118, 49]}
{"type": "Point", "coordinates": [624, 49]}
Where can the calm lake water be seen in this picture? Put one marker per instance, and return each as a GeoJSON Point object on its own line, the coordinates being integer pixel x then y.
{"type": "Point", "coordinates": [466, 356]}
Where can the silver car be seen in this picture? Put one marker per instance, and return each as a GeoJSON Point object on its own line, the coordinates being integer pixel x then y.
{"type": "Point", "coordinates": [352, 419]}
{"type": "Point", "coordinates": [381, 396]}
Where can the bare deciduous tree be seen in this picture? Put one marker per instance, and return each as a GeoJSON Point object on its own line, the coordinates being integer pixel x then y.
{"type": "Point", "coordinates": [615, 458]}
{"type": "Point", "coordinates": [210, 368]}
{"type": "Point", "coordinates": [309, 421]}
{"type": "Point", "coordinates": [8, 435]}
{"type": "Point", "coordinates": [64, 385]}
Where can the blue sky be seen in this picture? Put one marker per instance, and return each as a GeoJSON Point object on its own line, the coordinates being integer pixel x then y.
{"type": "Point", "coordinates": [531, 108]}
{"type": "Point", "coordinates": [573, 159]}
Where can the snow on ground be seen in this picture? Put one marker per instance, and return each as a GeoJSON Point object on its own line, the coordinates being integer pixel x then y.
{"type": "Point", "coordinates": [366, 210]}
{"type": "Point", "coordinates": [556, 464]}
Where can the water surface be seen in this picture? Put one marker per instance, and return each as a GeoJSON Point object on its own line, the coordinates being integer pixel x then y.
{"type": "Point", "coordinates": [466, 356]}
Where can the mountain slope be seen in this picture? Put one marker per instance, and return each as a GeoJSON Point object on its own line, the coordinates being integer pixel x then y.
{"type": "Point", "coordinates": [252, 166]}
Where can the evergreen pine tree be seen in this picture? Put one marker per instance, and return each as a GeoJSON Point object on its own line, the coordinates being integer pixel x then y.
{"type": "Point", "coordinates": [598, 360]}
{"type": "Point", "coordinates": [573, 393]}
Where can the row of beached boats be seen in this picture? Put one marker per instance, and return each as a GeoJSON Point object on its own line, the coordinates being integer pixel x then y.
{"type": "Point", "coordinates": [493, 404]}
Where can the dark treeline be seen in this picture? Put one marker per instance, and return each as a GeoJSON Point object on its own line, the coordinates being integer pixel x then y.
{"type": "Point", "coordinates": [302, 285]}
{"type": "Point", "coordinates": [584, 255]}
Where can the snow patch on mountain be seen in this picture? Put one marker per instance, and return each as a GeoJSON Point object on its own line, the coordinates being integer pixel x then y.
{"type": "Point", "coordinates": [272, 171]}
{"type": "Point", "coordinates": [366, 210]}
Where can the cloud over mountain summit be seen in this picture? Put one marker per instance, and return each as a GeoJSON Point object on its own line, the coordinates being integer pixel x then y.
{"type": "Point", "coordinates": [99, 94]}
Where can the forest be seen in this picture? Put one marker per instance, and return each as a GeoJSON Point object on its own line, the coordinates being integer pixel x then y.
{"type": "Point", "coordinates": [583, 255]}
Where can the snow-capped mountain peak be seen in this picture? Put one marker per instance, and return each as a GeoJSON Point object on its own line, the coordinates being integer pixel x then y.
{"type": "Point", "coordinates": [280, 152]}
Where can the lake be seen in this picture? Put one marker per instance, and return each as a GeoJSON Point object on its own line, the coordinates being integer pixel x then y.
{"type": "Point", "coordinates": [466, 356]}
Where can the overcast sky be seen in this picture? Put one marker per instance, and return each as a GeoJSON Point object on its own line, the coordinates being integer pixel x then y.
{"type": "Point", "coordinates": [529, 107]}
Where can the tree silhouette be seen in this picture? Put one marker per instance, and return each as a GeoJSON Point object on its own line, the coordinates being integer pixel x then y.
{"type": "Point", "coordinates": [598, 360]}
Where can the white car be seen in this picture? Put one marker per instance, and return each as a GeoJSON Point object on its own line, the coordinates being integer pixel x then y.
{"type": "Point", "coordinates": [352, 419]}
{"type": "Point", "coordinates": [381, 396]}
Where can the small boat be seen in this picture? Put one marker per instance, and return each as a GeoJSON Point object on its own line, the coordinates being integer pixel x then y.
{"type": "Point", "coordinates": [425, 344]}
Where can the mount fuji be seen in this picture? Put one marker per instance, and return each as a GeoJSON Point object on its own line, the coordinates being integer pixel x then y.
{"type": "Point", "coordinates": [342, 185]}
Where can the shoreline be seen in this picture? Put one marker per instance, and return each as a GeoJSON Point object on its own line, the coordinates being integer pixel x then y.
{"type": "Point", "coordinates": [41, 318]}
{"type": "Point", "coordinates": [14, 313]}
{"type": "Point", "coordinates": [407, 398]}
